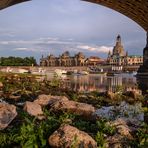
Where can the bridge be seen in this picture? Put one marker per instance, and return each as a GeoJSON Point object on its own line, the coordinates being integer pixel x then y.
{"type": "Point", "coordinates": [137, 10]}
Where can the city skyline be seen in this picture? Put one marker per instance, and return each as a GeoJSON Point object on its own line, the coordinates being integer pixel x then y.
{"type": "Point", "coordinates": [57, 26]}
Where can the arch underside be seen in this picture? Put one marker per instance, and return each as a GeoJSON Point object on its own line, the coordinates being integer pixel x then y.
{"type": "Point", "coordinates": [136, 10]}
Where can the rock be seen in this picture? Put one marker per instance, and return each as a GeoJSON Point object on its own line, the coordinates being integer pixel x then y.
{"type": "Point", "coordinates": [1, 85]}
{"type": "Point", "coordinates": [132, 94]}
{"type": "Point", "coordinates": [7, 114]}
{"type": "Point", "coordinates": [44, 100]}
{"type": "Point", "coordinates": [116, 141]}
{"type": "Point", "coordinates": [15, 98]}
{"type": "Point", "coordinates": [123, 134]}
{"type": "Point", "coordinates": [118, 122]}
{"type": "Point", "coordinates": [83, 96]}
{"type": "Point", "coordinates": [82, 109]}
{"type": "Point", "coordinates": [34, 109]}
{"type": "Point", "coordinates": [122, 128]}
{"type": "Point", "coordinates": [110, 95]}
{"type": "Point", "coordinates": [68, 136]}
{"type": "Point", "coordinates": [1, 94]}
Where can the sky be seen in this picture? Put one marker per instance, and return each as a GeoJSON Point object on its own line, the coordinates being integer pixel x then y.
{"type": "Point", "coordinates": [43, 27]}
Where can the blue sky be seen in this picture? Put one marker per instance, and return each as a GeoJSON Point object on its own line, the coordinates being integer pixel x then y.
{"type": "Point", "coordinates": [53, 26]}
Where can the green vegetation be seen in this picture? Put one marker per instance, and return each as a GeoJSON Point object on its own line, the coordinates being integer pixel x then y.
{"type": "Point", "coordinates": [27, 86]}
{"type": "Point", "coordinates": [141, 137]}
{"type": "Point", "coordinates": [28, 132]}
{"type": "Point", "coordinates": [32, 133]}
{"type": "Point", "coordinates": [17, 61]}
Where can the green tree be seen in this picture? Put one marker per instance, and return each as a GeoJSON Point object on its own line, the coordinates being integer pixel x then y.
{"type": "Point", "coordinates": [17, 61]}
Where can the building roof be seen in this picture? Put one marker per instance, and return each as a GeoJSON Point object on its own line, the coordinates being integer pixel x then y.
{"type": "Point", "coordinates": [94, 57]}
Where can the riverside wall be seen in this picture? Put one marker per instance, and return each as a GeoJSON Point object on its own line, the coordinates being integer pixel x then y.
{"type": "Point", "coordinates": [105, 67]}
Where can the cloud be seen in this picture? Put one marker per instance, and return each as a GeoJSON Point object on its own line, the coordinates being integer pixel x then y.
{"type": "Point", "coordinates": [4, 42]}
{"type": "Point", "coordinates": [7, 33]}
{"type": "Point", "coordinates": [21, 49]}
{"type": "Point", "coordinates": [101, 49]}
{"type": "Point", "coordinates": [16, 42]}
{"type": "Point", "coordinates": [47, 40]}
{"type": "Point", "coordinates": [53, 45]}
{"type": "Point", "coordinates": [29, 49]}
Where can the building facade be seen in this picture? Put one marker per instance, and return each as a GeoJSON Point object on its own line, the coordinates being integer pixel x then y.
{"type": "Point", "coordinates": [63, 60]}
{"type": "Point", "coordinates": [120, 57]}
{"type": "Point", "coordinates": [94, 61]}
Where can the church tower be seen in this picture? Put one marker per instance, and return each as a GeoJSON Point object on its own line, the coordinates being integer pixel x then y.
{"type": "Point", "coordinates": [118, 48]}
{"type": "Point", "coordinates": [109, 54]}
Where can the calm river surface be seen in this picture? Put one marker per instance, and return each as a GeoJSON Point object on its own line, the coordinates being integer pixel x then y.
{"type": "Point", "coordinates": [98, 82]}
{"type": "Point", "coordinates": [101, 83]}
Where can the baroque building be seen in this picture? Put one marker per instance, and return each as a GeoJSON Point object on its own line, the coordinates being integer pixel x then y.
{"type": "Point", "coordinates": [120, 57]}
{"type": "Point", "coordinates": [63, 60]}
{"type": "Point", "coordinates": [95, 61]}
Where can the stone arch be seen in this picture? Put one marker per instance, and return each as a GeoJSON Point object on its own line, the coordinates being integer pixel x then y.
{"type": "Point", "coordinates": [137, 10]}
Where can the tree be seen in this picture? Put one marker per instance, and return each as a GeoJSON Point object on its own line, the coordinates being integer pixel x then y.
{"type": "Point", "coordinates": [17, 61]}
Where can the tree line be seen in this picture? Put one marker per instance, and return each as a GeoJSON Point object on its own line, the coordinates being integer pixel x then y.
{"type": "Point", "coordinates": [17, 61]}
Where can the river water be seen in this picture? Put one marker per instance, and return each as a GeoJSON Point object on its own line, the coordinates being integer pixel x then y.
{"type": "Point", "coordinates": [97, 82]}
{"type": "Point", "coordinates": [101, 83]}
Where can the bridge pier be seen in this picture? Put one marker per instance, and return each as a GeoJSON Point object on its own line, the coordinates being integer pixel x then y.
{"type": "Point", "coordinates": [143, 70]}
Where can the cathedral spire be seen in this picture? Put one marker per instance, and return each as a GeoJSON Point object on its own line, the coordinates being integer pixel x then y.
{"type": "Point", "coordinates": [118, 40]}
{"type": "Point", "coordinates": [118, 48]}
{"type": "Point", "coordinates": [109, 53]}
{"type": "Point", "coordinates": [126, 54]}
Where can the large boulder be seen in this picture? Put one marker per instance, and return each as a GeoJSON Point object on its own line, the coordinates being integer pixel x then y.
{"type": "Point", "coordinates": [122, 128]}
{"type": "Point", "coordinates": [7, 114]}
{"type": "Point", "coordinates": [132, 94]}
{"type": "Point", "coordinates": [68, 136]}
{"type": "Point", "coordinates": [77, 108]}
{"type": "Point", "coordinates": [123, 134]}
{"type": "Point", "coordinates": [117, 141]}
{"type": "Point", "coordinates": [34, 109]}
{"type": "Point", "coordinates": [110, 95]}
{"type": "Point", "coordinates": [44, 100]}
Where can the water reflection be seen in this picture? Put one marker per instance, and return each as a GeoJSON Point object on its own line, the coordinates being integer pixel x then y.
{"type": "Point", "coordinates": [101, 83]}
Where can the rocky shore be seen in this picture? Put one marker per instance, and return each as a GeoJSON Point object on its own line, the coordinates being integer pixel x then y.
{"type": "Point", "coordinates": [42, 114]}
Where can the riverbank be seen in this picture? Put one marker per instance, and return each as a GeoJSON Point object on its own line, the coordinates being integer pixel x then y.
{"type": "Point", "coordinates": [129, 68]}
{"type": "Point", "coordinates": [42, 107]}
